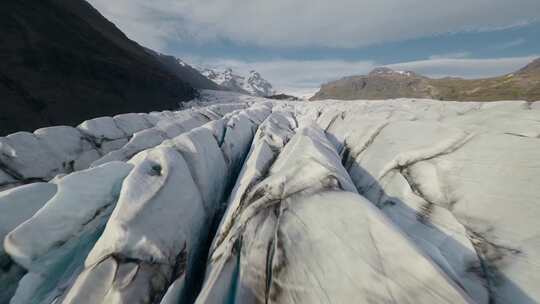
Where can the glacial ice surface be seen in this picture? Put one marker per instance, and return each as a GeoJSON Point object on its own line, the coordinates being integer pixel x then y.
{"type": "Point", "coordinates": [240, 199]}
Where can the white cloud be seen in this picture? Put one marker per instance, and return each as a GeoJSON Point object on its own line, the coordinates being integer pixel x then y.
{"type": "Point", "coordinates": [451, 55]}
{"type": "Point", "coordinates": [511, 44]}
{"type": "Point", "coordinates": [466, 68]}
{"type": "Point", "coordinates": [285, 23]}
{"type": "Point", "coordinates": [304, 77]}
{"type": "Point", "coordinates": [323, 23]}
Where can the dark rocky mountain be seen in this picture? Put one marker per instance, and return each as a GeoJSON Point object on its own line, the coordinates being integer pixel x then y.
{"type": "Point", "coordinates": [283, 96]}
{"type": "Point", "coordinates": [185, 72]}
{"type": "Point", "coordinates": [384, 83]}
{"type": "Point", "coordinates": [62, 62]}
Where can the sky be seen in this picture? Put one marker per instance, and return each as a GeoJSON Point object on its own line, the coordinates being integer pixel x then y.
{"type": "Point", "coordinates": [299, 44]}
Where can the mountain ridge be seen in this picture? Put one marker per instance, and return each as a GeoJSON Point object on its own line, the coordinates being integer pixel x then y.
{"type": "Point", "coordinates": [252, 84]}
{"type": "Point", "coordinates": [185, 71]}
{"type": "Point", "coordinates": [63, 62]}
{"type": "Point", "coordinates": [385, 83]}
{"type": "Point", "coordinates": [533, 67]}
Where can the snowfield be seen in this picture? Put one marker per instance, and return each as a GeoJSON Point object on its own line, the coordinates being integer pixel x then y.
{"type": "Point", "coordinates": [241, 199]}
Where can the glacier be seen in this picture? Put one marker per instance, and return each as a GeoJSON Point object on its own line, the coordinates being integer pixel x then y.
{"type": "Point", "coordinates": [242, 199]}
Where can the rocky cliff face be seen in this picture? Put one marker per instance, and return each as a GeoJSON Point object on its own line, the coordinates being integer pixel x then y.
{"type": "Point", "coordinates": [384, 83]}
{"type": "Point", "coordinates": [62, 62]}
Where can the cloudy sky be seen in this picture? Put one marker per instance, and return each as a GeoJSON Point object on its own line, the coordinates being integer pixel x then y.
{"type": "Point", "coordinates": [299, 44]}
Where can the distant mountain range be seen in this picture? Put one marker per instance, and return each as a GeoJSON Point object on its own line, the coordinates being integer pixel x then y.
{"type": "Point", "coordinates": [62, 62]}
{"type": "Point", "coordinates": [384, 83]}
{"type": "Point", "coordinates": [253, 84]}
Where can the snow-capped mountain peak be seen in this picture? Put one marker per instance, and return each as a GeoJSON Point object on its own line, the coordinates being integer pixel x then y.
{"type": "Point", "coordinates": [253, 84]}
{"type": "Point", "coordinates": [181, 62]}
{"type": "Point", "coordinates": [257, 85]}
